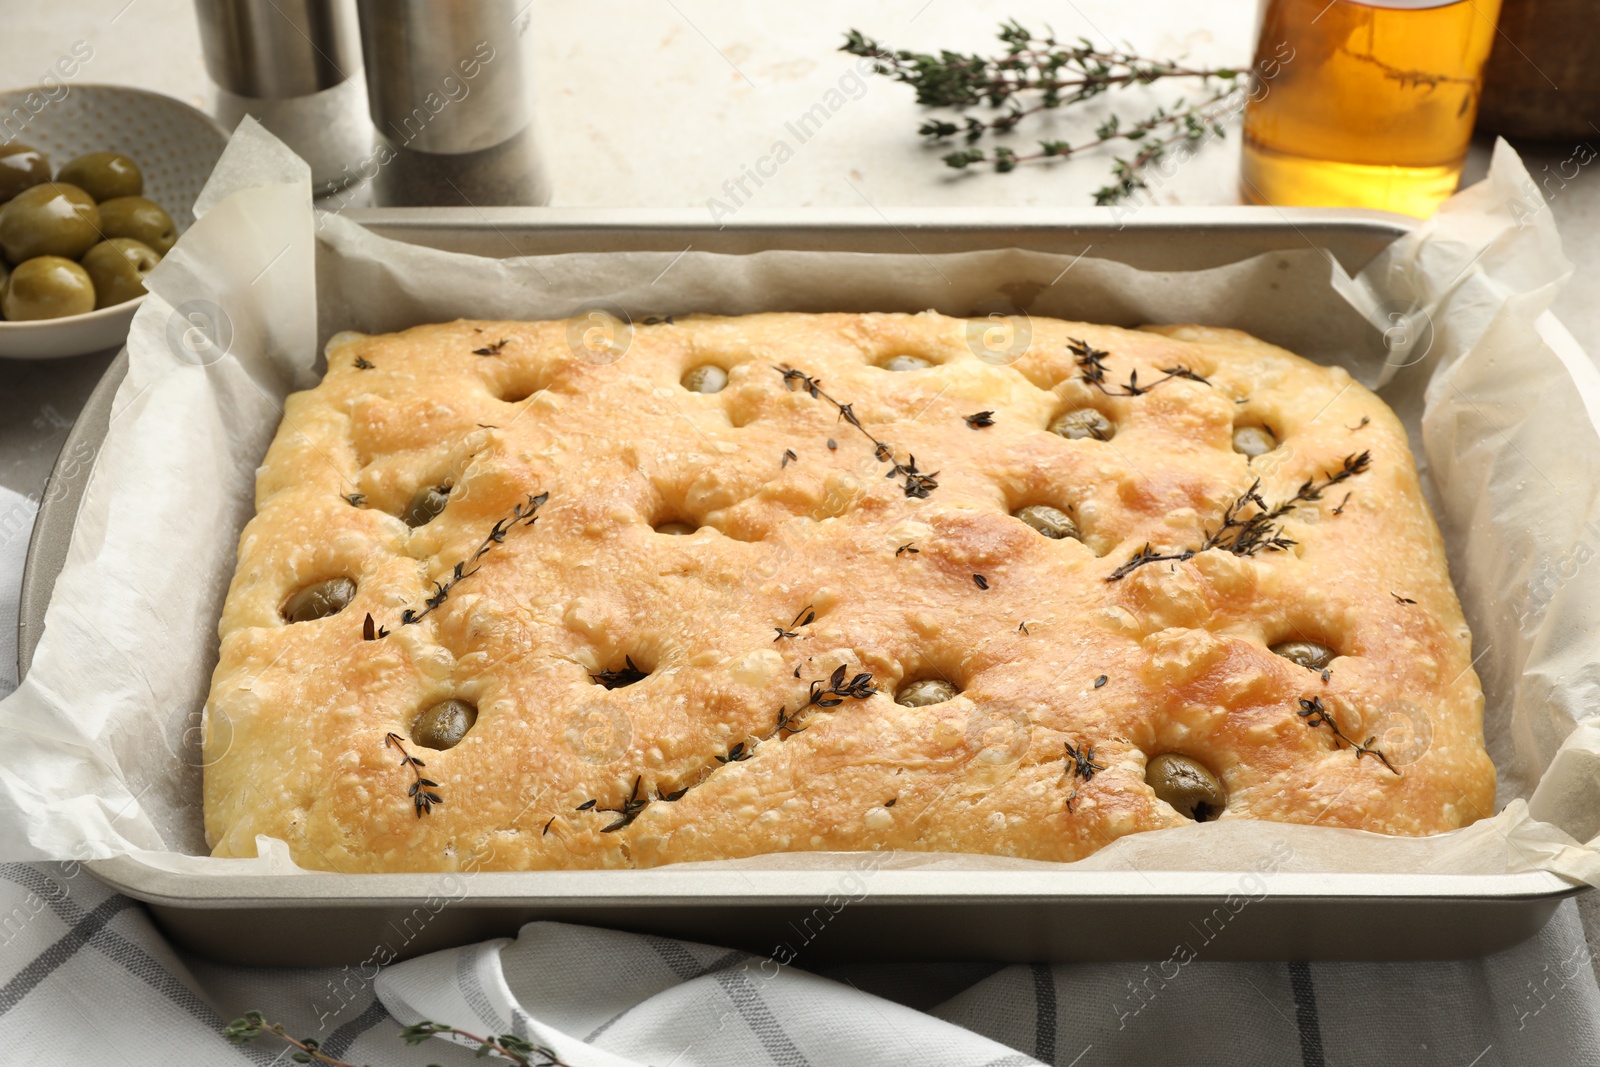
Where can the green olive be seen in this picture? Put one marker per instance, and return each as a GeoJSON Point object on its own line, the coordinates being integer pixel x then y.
{"type": "Point", "coordinates": [117, 267]}
{"type": "Point", "coordinates": [103, 175]}
{"type": "Point", "coordinates": [707, 378]}
{"type": "Point", "coordinates": [1049, 521]}
{"type": "Point", "coordinates": [426, 505]}
{"type": "Point", "coordinates": [49, 219]}
{"type": "Point", "coordinates": [136, 217]}
{"type": "Point", "coordinates": [676, 528]}
{"type": "Point", "coordinates": [1309, 654]}
{"type": "Point", "coordinates": [927, 691]}
{"type": "Point", "coordinates": [443, 725]}
{"type": "Point", "coordinates": [1082, 423]}
{"type": "Point", "coordinates": [1254, 441]}
{"type": "Point", "coordinates": [319, 601]}
{"type": "Point", "coordinates": [1188, 785]}
{"type": "Point", "coordinates": [47, 287]}
{"type": "Point", "coordinates": [906, 363]}
{"type": "Point", "coordinates": [21, 167]}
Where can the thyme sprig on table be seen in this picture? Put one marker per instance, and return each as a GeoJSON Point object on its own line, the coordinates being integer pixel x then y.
{"type": "Point", "coordinates": [1245, 532]}
{"type": "Point", "coordinates": [421, 792]}
{"type": "Point", "coordinates": [524, 514]}
{"type": "Point", "coordinates": [1035, 74]}
{"type": "Point", "coordinates": [520, 1051]}
{"type": "Point", "coordinates": [917, 483]}
{"type": "Point", "coordinates": [1316, 715]}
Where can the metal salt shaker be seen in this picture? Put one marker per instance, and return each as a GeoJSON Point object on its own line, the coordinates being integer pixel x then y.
{"type": "Point", "coordinates": [296, 66]}
{"type": "Point", "coordinates": [451, 98]}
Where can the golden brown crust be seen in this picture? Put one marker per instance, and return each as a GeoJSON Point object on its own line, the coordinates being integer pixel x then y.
{"type": "Point", "coordinates": [298, 713]}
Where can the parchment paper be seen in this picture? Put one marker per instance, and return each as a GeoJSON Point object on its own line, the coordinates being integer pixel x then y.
{"type": "Point", "coordinates": [99, 747]}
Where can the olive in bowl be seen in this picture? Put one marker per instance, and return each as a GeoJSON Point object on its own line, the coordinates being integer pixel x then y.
{"type": "Point", "coordinates": [143, 220]}
{"type": "Point", "coordinates": [21, 167]}
{"type": "Point", "coordinates": [47, 287]}
{"type": "Point", "coordinates": [50, 219]}
{"type": "Point", "coordinates": [103, 175]}
{"type": "Point", "coordinates": [117, 267]}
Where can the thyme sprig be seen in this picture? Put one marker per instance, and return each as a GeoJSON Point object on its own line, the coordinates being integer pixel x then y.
{"type": "Point", "coordinates": [629, 811]}
{"type": "Point", "coordinates": [1244, 532]}
{"type": "Point", "coordinates": [518, 1050]}
{"type": "Point", "coordinates": [806, 617]}
{"type": "Point", "coordinates": [824, 695]}
{"type": "Point", "coordinates": [917, 483]}
{"type": "Point", "coordinates": [837, 689]}
{"type": "Point", "coordinates": [524, 514]}
{"type": "Point", "coordinates": [1040, 73]}
{"type": "Point", "coordinates": [491, 349]}
{"type": "Point", "coordinates": [1247, 535]}
{"type": "Point", "coordinates": [1316, 715]}
{"type": "Point", "coordinates": [625, 675]}
{"type": "Point", "coordinates": [821, 693]}
{"type": "Point", "coordinates": [252, 1024]}
{"type": "Point", "coordinates": [421, 792]}
{"type": "Point", "coordinates": [1080, 765]}
{"type": "Point", "coordinates": [1082, 761]}
{"type": "Point", "coordinates": [1092, 369]}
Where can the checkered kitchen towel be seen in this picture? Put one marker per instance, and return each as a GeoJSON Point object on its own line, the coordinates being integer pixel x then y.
{"type": "Point", "coordinates": [86, 979]}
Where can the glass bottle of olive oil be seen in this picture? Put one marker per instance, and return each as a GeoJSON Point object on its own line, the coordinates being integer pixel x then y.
{"type": "Point", "coordinates": [1370, 103]}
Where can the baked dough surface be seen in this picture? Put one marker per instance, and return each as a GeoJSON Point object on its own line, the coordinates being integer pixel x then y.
{"type": "Point", "coordinates": [593, 414]}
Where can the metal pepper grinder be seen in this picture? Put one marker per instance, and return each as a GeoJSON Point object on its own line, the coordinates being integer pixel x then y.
{"type": "Point", "coordinates": [296, 66]}
{"type": "Point", "coordinates": [452, 101]}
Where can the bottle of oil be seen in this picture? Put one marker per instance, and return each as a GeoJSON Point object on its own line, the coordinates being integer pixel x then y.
{"type": "Point", "coordinates": [1369, 103]}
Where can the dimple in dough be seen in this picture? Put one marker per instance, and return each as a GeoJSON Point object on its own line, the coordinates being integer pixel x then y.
{"type": "Point", "coordinates": [298, 714]}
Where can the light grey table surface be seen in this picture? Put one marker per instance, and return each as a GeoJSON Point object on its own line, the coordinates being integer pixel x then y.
{"type": "Point", "coordinates": [657, 103]}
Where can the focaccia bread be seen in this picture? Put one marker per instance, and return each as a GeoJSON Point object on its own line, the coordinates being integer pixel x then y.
{"type": "Point", "coordinates": [674, 621]}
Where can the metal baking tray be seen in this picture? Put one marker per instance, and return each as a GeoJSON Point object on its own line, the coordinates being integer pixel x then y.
{"type": "Point", "coordinates": [816, 917]}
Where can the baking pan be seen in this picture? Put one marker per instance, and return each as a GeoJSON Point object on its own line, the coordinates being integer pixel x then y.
{"type": "Point", "coordinates": [804, 916]}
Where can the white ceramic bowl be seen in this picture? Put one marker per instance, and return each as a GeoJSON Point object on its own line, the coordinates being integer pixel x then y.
{"type": "Point", "coordinates": [175, 145]}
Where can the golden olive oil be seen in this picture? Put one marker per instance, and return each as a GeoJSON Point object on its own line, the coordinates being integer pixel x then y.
{"type": "Point", "coordinates": [1364, 103]}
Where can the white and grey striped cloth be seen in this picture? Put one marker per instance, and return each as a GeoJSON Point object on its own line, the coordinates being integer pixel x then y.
{"type": "Point", "coordinates": [86, 979]}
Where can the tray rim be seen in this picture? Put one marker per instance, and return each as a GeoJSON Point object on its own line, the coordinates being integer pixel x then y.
{"type": "Point", "coordinates": [677, 887]}
{"type": "Point", "coordinates": [57, 514]}
{"type": "Point", "coordinates": [1353, 224]}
